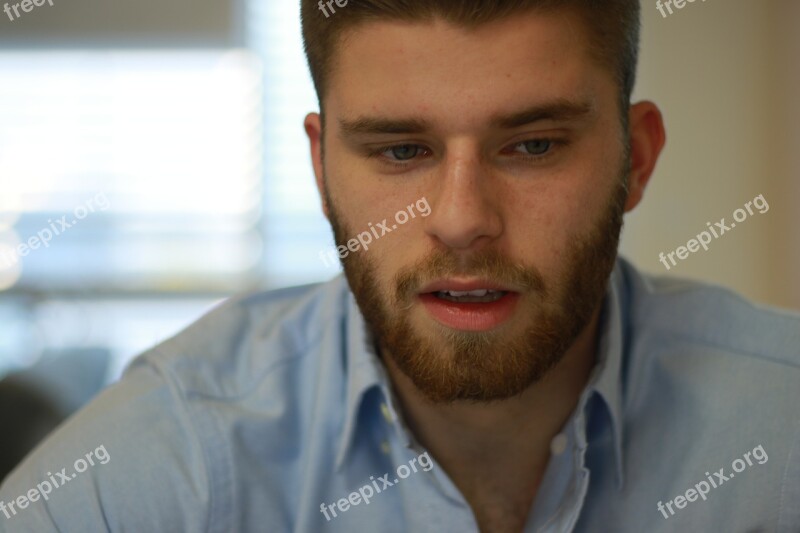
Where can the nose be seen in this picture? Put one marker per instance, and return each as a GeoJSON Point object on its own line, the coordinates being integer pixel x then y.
{"type": "Point", "coordinates": [464, 211]}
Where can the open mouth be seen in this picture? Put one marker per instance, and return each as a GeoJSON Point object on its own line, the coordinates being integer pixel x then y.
{"type": "Point", "coordinates": [479, 296]}
{"type": "Point", "coordinates": [469, 305]}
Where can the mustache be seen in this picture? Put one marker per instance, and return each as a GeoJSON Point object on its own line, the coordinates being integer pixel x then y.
{"type": "Point", "coordinates": [488, 264]}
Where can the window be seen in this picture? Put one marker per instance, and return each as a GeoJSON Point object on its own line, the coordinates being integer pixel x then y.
{"type": "Point", "coordinates": [183, 174]}
{"type": "Point", "coordinates": [142, 167]}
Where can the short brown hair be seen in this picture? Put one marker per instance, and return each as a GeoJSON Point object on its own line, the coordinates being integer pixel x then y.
{"type": "Point", "coordinates": [613, 25]}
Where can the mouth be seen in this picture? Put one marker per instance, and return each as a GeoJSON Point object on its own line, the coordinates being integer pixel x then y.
{"type": "Point", "coordinates": [469, 305]}
{"type": "Point", "coordinates": [477, 296]}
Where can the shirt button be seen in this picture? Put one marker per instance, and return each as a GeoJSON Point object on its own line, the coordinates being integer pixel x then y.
{"type": "Point", "coordinates": [386, 413]}
{"type": "Point", "coordinates": [385, 448]}
{"type": "Point", "coordinates": [558, 444]}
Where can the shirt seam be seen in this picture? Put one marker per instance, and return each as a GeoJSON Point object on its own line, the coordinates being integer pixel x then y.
{"type": "Point", "coordinates": [295, 355]}
{"type": "Point", "coordinates": [183, 404]}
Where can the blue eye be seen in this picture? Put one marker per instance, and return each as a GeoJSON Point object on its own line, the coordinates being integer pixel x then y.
{"type": "Point", "coordinates": [399, 156]}
{"type": "Point", "coordinates": [535, 147]}
{"type": "Point", "coordinates": [404, 152]}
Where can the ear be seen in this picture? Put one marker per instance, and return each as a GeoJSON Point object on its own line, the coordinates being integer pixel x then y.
{"type": "Point", "coordinates": [313, 127]}
{"type": "Point", "coordinates": [647, 140]}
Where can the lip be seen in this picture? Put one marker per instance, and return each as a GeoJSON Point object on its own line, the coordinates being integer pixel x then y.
{"type": "Point", "coordinates": [472, 316]}
{"type": "Point", "coordinates": [464, 284]}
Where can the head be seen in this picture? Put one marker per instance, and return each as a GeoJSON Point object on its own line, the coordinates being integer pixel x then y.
{"type": "Point", "coordinates": [513, 120]}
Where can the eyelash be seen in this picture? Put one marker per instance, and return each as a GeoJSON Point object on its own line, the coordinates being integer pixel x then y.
{"type": "Point", "coordinates": [377, 153]}
{"type": "Point", "coordinates": [555, 144]}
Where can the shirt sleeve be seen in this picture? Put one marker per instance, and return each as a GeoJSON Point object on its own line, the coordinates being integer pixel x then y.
{"type": "Point", "coordinates": [128, 461]}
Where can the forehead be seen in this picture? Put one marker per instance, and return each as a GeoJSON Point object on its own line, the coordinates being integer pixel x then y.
{"type": "Point", "coordinates": [446, 71]}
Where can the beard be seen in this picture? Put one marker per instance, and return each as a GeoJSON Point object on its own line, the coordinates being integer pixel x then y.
{"type": "Point", "coordinates": [453, 365]}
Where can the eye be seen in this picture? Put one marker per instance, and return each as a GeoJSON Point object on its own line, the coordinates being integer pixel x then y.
{"type": "Point", "coordinates": [534, 147]}
{"type": "Point", "coordinates": [399, 155]}
{"type": "Point", "coordinates": [403, 152]}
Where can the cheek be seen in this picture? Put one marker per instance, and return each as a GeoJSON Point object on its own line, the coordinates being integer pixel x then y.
{"type": "Point", "coordinates": [549, 219]}
{"type": "Point", "coordinates": [547, 216]}
{"type": "Point", "coordinates": [386, 235]}
{"type": "Point", "coordinates": [361, 195]}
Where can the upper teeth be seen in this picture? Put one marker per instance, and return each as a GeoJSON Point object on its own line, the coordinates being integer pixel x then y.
{"type": "Point", "coordinates": [478, 293]}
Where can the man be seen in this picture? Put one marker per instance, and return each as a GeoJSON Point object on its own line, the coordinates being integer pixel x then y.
{"type": "Point", "coordinates": [488, 364]}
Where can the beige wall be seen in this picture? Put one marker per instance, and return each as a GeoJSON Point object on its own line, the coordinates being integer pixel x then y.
{"type": "Point", "coordinates": [725, 74]}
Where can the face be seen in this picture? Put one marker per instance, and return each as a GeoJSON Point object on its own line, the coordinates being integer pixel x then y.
{"type": "Point", "coordinates": [511, 134]}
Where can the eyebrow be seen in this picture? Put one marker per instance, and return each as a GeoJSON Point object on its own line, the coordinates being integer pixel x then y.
{"type": "Point", "coordinates": [560, 110]}
{"type": "Point", "coordinates": [557, 110]}
{"type": "Point", "coordinates": [375, 125]}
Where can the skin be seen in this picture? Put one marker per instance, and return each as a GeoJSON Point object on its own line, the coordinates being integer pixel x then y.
{"type": "Point", "coordinates": [484, 195]}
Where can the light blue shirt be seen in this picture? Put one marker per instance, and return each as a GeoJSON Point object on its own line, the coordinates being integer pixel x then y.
{"type": "Point", "coordinates": [273, 414]}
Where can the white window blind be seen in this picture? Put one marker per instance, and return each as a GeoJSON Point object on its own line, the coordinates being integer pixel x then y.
{"type": "Point", "coordinates": [171, 139]}
{"type": "Point", "coordinates": [295, 229]}
{"type": "Point", "coordinates": [201, 155]}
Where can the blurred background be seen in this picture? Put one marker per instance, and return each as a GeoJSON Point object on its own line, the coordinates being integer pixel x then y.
{"type": "Point", "coordinates": [153, 163]}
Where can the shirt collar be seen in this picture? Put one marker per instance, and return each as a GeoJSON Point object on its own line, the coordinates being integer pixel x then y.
{"type": "Point", "coordinates": [607, 379]}
{"type": "Point", "coordinates": [362, 368]}
{"type": "Point", "coordinates": [365, 372]}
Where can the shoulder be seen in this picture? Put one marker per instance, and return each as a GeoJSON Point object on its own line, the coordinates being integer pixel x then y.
{"type": "Point", "coordinates": [709, 364]}
{"type": "Point", "coordinates": [234, 347]}
{"type": "Point", "coordinates": [711, 380]}
{"type": "Point", "coordinates": [678, 313]}
{"type": "Point", "coordinates": [110, 453]}
{"type": "Point", "coordinates": [167, 427]}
